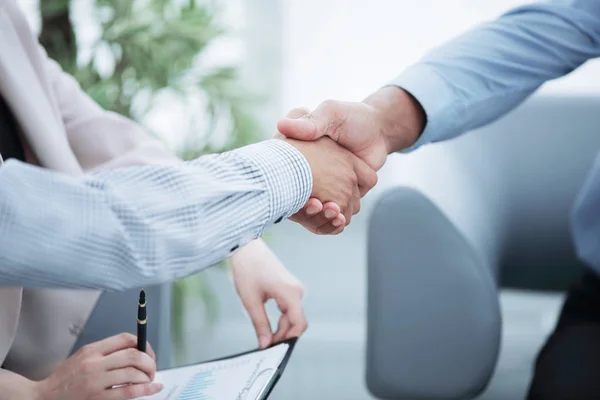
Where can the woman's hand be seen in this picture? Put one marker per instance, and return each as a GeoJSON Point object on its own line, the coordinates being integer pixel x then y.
{"type": "Point", "coordinates": [111, 369]}
{"type": "Point", "coordinates": [259, 276]}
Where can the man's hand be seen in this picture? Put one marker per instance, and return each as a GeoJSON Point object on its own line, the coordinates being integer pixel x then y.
{"type": "Point", "coordinates": [319, 218]}
{"type": "Point", "coordinates": [338, 175]}
{"type": "Point", "coordinates": [387, 121]}
{"type": "Point", "coordinates": [259, 276]}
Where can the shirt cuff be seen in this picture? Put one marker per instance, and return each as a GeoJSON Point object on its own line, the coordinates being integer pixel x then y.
{"type": "Point", "coordinates": [287, 175]}
{"type": "Point", "coordinates": [425, 84]}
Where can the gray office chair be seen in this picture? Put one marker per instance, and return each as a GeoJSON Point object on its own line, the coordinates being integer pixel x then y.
{"type": "Point", "coordinates": [116, 312]}
{"type": "Point", "coordinates": [490, 209]}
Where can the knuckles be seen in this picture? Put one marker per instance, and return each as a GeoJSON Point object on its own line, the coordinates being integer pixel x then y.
{"type": "Point", "coordinates": [374, 180]}
{"type": "Point", "coordinates": [353, 178]}
{"type": "Point", "coordinates": [296, 288]}
{"type": "Point", "coordinates": [86, 351]}
{"type": "Point", "coordinates": [329, 106]}
{"type": "Point", "coordinates": [127, 338]}
{"type": "Point", "coordinates": [134, 357]}
{"type": "Point", "coordinates": [357, 207]}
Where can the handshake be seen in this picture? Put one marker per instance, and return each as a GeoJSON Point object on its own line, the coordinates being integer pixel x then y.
{"type": "Point", "coordinates": [345, 143]}
{"type": "Point", "coordinates": [340, 176]}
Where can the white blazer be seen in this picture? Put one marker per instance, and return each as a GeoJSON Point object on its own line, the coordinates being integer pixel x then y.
{"type": "Point", "coordinates": [63, 130]}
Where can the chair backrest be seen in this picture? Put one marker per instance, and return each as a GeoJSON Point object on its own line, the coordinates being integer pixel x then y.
{"type": "Point", "coordinates": [433, 316]}
{"type": "Point", "coordinates": [489, 206]}
{"type": "Point", "coordinates": [540, 154]}
{"type": "Point", "coordinates": [509, 187]}
{"type": "Point", "coordinates": [116, 312]}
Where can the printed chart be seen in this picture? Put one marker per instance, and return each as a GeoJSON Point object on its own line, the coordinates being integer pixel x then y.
{"type": "Point", "coordinates": [244, 377]}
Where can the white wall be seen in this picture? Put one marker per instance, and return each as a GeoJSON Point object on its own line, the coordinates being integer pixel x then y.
{"type": "Point", "coordinates": [346, 48]}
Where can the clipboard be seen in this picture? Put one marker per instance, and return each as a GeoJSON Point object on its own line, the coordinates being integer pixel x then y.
{"type": "Point", "coordinates": [273, 381]}
{"type": "Point", "coordinates": [263, 391]}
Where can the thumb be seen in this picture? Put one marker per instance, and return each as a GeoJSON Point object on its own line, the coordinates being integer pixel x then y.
{"type": "Point", "coordinates": [296, 113]}
{"type": "Point", "coordinates": [256, 310]}
{"type": "Point", "coordinates": [298, 124]}
{"type": "Point", "coordinates": [328, 119]}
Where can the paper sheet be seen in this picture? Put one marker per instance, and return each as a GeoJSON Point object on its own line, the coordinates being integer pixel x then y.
{"type": "Point", "coordinates": [240, 378]}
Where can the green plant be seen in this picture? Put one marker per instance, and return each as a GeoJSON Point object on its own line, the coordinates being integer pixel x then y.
{"type": "Point", "coordinates": [155, 46]}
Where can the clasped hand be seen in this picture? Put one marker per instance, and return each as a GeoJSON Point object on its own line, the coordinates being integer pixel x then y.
{"type": "Point", "coordinates": [340, 179]}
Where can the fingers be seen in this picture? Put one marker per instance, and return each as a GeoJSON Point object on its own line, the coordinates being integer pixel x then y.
{"type": "Point", "coordinates": [329, 212]}
{"type": "Point", "coordinates": [367, 177]}
{"type": "Point", "coordinates": [130, 358]}
{"type": "Point", "coordinates": [282, 328]}
{"type": "Point", "coordinates": [338, 230]}
{"type": "Point", "coordinates": [298, 323]}
{"type": "Point", "coordinates": [115, 343]}
{"type": "Point", "coordinates": [334, 227]}
{"type": "Point", "coordinates": [124, 376]}
{"type": "Point", "coordinates": [339, 223]}
{"type": "Point", "coordinates": [327, 220]}
{"type": "Point", "coordinates": [330, 220]}
{"type": "Point", "coordinates": [293, 321]}
{"type": "Point", "coordinates": [131, 391]}
{"type": "Point", "coordinates": [150, 351]}
{"type": "Point", "coordinates": [355, 202]}
{"type": "Point", "coordinates": [256, 309]}
{"type": "Point", "coordinates": [311, 208]}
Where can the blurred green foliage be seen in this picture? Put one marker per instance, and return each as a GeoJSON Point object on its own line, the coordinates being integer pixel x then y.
{"type": "Point", "coordinates": [155, 46]}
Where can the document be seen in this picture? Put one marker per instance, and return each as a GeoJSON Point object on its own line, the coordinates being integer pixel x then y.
{"type": "Point", "coordinates": [244, 377]}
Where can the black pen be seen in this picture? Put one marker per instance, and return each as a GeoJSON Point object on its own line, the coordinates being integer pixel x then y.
{"type": "Point", "coordinates": [141, 322]}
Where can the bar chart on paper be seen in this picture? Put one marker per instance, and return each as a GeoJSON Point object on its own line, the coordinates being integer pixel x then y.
{"type": "Point", "coordinates": [198, 387]}
{"type": "Point", "coordinates": [245, 377]}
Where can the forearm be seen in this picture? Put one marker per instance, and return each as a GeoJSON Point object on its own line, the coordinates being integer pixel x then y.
{"type": "Point", "coordinates": [486, 72]}
{"type": "Point", "coordinates": [136, 226]}
{"type": "Point", "coordinates": [16, 387]}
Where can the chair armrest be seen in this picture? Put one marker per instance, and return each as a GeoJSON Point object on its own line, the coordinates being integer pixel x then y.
{"type": "Point", "coordinates": [434, 322]}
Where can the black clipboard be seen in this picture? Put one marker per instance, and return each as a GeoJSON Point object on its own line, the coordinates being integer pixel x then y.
{"type": "Point", "coordinates": [273, 381]}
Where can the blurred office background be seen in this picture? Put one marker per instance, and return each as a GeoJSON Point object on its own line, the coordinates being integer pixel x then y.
{"type": "Point", "coordinates": [299, 53]}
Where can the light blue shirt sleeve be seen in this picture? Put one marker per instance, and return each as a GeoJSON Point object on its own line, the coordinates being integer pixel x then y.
{"type": "Point", "coordinates": [486, 72]}
{"type": "Point", "coordinates": [142, 225]}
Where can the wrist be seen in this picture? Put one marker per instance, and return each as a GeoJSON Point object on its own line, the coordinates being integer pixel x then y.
{"type": "Point", "coordinates": [18, 387]}
{"type": "Point", "coordinates": [401, 116]}
{"type": "Point", "coordinates": [36, 391]}
{"type": "Point", "coordinates": [286, 173]}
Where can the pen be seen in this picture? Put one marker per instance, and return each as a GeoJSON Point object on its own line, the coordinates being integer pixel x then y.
{"type": "Point", "coordinates": [141, 322]}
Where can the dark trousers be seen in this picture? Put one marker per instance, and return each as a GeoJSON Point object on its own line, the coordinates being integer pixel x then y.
{"type": "Point", "coordinates": [568, 366]}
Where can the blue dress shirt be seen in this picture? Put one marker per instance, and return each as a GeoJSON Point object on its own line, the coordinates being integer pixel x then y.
{"type": "Point", "coordinates": [486, 72]}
